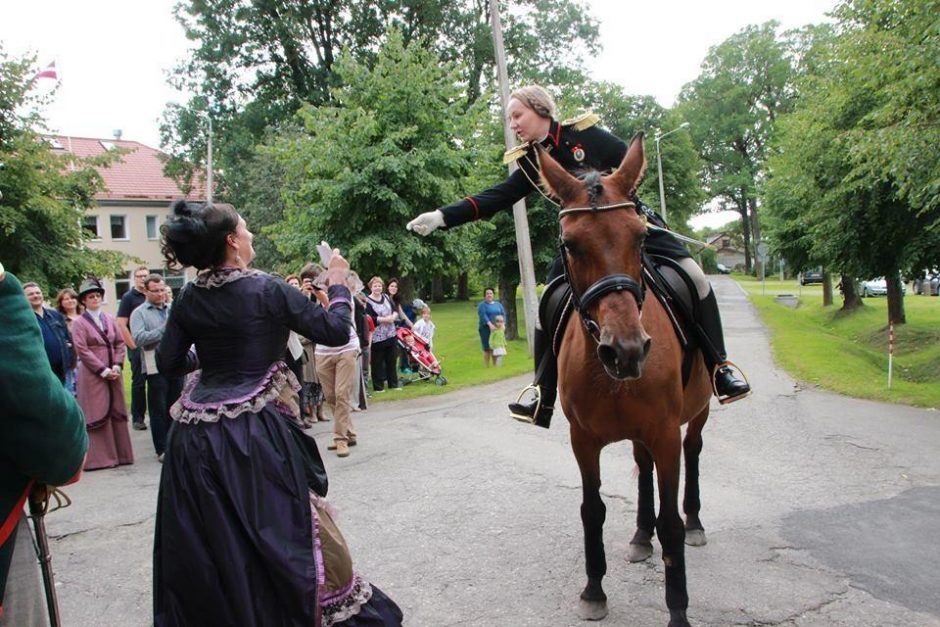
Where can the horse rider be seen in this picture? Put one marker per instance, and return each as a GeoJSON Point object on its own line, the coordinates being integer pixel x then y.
{"type": "Point", "coordinates": [578, 144]}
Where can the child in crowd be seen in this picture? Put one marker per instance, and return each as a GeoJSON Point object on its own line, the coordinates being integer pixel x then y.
{"type": "Point", "coordinates": [425, 328]}
{"type": "Point", "coordinates": [498, 340]}
{"type": "Point", "coordinates": [421, 354]}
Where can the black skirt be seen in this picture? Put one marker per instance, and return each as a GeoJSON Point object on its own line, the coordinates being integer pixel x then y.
{"type": "Point", "coordinates": [234, 540]}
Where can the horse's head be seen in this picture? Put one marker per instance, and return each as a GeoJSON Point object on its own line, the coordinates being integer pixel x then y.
{"type": "Point", "coordinates": [601, 238]}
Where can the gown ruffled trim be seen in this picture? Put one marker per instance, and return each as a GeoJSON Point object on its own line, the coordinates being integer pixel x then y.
{"type": "Point", "coordinates": [342, 604]}
{"type": "Point", "coordinates": [277, 385]}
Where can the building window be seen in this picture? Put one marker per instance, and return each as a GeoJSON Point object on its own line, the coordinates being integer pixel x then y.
{"type": "Point", "coordinates": [90, 227]}
{"type": "Point", "coordinates": [119, 227]}
{"type": "Point", "coordinates": [152, 227]}
{"type": "Point", "coordinates": [120, 287]}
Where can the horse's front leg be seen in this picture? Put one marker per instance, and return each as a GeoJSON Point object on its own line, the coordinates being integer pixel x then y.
{"type": "Point", "coordinates": [691, 504]}
{"type": "Point", "coordinates": [587, 451]}
{"type": "Point", "coordinates": [641, 546]}
{"type": "Point", "coordinates": [669, 526]}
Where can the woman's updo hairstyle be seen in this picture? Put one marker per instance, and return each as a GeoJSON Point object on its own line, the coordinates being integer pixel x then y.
{"type": "Point", "coordinates": [195, 233]}
{"type": "Point", "coordinates": [537, 99]}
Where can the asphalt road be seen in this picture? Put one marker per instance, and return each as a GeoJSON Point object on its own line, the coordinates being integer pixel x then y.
{"type": "Point", "coordinates": [819, 510]}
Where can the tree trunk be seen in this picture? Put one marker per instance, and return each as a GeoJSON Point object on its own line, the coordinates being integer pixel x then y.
{"type": "Point", "coordinates": [507, 296]}
{"type": "Point", "coordinates": [895, 301]}
{"type": "Point", "coordinates": [463, 286]}
{"type": "Point", "coordinates": [406, 290]}
{"type": "Point", "coordinates": [756, 235]}
{"type": "Point", "coordinates": [437, 289]}
{"type": "Point", "coordinates": [827, 288]}
{"type": "Point", "coordinates": [850, 297]}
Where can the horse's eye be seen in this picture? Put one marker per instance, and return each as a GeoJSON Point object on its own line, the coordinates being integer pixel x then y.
{"type": "Point", "coordinates": [571, 246]}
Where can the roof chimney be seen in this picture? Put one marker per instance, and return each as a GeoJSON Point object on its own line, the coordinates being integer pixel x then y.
{"type": "Point", "coordinates": [117, 133]}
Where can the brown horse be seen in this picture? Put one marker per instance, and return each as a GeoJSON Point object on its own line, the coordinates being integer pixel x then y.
{"type": "Point", "coordinates": [620, 371]}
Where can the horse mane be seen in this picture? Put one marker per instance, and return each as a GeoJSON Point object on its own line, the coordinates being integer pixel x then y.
{"type": "Point", "coordinates": [592, 183]}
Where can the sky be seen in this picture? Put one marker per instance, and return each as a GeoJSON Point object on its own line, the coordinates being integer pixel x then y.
{"type": "Point", "coordinates": [112, 56]}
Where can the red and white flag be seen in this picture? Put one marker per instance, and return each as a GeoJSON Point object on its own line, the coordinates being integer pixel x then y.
{"type": "Point", "coordinates": [48, 72]}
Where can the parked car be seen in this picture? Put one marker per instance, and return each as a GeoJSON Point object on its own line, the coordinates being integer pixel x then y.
{"type": "Point", "coordinates": [811, 276]}
{"type": "Point", "coordinates": [723, 269]}
{"type": "Point", "coordinates": [877, 287]}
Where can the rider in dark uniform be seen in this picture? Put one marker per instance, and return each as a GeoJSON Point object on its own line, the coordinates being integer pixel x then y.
{"type": "Point", "coordinates": [577, 145]}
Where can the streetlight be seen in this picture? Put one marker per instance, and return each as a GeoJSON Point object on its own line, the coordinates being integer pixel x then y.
{"type": "Point", "coordinates": [659, 167]}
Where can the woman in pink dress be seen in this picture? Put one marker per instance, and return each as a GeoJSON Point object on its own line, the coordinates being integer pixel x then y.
{"type": "Point", "coordinates": [100, 386]}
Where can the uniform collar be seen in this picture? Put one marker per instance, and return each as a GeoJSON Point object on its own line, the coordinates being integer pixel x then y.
{"type": "Point", "coordinates": [554, 135]}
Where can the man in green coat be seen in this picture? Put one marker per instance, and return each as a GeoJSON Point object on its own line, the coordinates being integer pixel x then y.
{"type": "Point", "coordinates": [42, 440]}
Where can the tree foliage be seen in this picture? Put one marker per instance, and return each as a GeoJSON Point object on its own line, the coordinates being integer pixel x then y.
{"type": "Point", "coordinates": [732, 106]}
{"type": "Point", "coordinates": [385, 148]}
{"type": "Point", "coordinates": [844, 191]}
{"type": "Point", "coordinates": [255, 63]}
{"type": "Point", "coordinates": [44, 195]}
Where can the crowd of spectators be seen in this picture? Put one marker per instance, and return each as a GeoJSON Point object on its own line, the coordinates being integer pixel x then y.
{"type": "Point", "coordinates": [87, 349]}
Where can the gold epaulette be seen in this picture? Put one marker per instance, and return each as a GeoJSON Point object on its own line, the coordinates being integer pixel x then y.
{"type": "Point", "coordinates": [514, 154]}
{"type": "Point", "coordinates": [583, 121]}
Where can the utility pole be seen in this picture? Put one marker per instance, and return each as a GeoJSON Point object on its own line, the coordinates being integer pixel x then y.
{"type": "Point", "coordinates": [530, 300]}
{"type": "Point", "coordinates": [209, 162]}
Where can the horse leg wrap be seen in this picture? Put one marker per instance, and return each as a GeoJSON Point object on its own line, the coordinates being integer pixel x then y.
{"type": "Point", "coordinates": [593, 515]}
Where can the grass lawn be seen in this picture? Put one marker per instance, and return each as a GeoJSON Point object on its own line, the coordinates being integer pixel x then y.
{"type": "Point", "coordinates": [457, 346]}
{"type": "Point", "coordinates": [848, 353]}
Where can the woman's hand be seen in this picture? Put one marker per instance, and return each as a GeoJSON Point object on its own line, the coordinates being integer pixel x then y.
{"type": "Point", "coordinates": [491, 326]}
{"type": "Point", "coordinates": [338, 270]}
{"type": "Point", "coordinates": [322, 298]}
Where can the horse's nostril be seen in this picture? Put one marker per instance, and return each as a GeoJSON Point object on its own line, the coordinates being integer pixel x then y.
{"type": "Point", "coordinates": [647, 345]}
{"type": "Point", "coordinates": [607, 355]}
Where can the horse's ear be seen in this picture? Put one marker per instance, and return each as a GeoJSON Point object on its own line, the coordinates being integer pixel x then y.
{"type": "Point", "coordinates": [628, 176]}
{"type": "Point", "coordinates": [555, 177]}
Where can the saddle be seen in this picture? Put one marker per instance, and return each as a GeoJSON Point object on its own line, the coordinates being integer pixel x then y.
{"type": "Point", "coordinates": [663, 276]}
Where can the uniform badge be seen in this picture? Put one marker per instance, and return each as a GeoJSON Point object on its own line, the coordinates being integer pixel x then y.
{"type": "Point", "coordinates": [578, 153]}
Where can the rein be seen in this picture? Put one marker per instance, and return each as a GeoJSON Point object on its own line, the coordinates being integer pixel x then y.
{"type": "Point", "coordinates": [603, 286]}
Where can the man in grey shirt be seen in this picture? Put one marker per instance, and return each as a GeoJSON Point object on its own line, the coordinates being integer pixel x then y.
{"type": "Point", "coordinates": [147, 324]}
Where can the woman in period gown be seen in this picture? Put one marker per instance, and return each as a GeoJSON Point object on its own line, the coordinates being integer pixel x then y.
{"type": "Point", "coordinates": [244, 535]}
{"type": "Point", "coordinates": [99, 383]}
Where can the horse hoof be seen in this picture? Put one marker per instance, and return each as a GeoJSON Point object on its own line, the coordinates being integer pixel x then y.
{"type": "Point", "coordinates": [695, 537]}
{"type": "Point", "coordinates": [639, 552]}
{"type": "Point", "coordinates": [677, 619]}
{"type": "Point", "coordinates": [592, 610]}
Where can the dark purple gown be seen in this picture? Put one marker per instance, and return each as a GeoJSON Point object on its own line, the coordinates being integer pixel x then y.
{"type": "Point", "coordinates": [237, 540]}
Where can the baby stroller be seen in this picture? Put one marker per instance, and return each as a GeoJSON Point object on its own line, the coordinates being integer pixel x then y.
{"type": "Point", "coordinates": [421, 360]}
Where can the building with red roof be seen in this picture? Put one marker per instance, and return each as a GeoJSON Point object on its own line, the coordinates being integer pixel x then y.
{"type": "Point", "coordinates": [130, 209]}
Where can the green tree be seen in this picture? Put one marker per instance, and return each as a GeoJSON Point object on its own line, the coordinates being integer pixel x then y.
{"type": "Point", "coordinates": [732, 106]}
{"type": "Point", "coordinates": [839, 181]}
{"type": "Point", "coordinates": [255, 62]}
{"type": "Point", "coordinates": [385, 149]}
{"type": "Point", "coordinates": [43, 196]}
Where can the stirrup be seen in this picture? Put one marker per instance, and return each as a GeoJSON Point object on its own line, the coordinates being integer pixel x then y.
{"type": "Point", "coordinates": [727, 400]}
{"type": "Point", "coordinates": [538, 404]}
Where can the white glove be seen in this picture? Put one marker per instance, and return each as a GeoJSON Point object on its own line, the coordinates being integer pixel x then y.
{"type": "Point", "coordinates": [425, 223]}
{"type": "Point", "coordinates": [104, 374]}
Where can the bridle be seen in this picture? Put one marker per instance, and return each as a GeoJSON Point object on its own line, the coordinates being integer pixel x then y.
{"type": "Point", "coordinates": [603, 286]}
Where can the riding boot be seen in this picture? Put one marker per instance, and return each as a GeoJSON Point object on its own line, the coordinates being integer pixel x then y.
{"type": "Point", "coordinates": [539, 411]}
{"type": "Point", "coordinates": [728, 387]}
